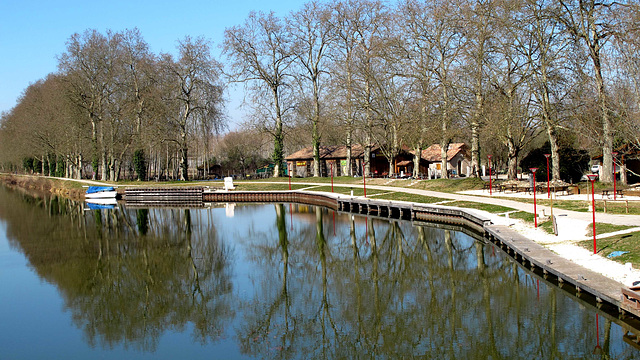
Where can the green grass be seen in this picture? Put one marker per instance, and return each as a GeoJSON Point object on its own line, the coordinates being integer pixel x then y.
{"type": "Point", "coordinates": [324, 180]}
{"type": "Point", "coordinates": [400, 196]}
{"type": "Point", "coordinates": [266, 187]}
{"type": "Point", "coordinates": [627, 242]}
{"type": "Point", "coordinates": [345, 190]}
{"type": "Point", "coordinates": [480, 206]}
{"type": "Point", "coordinates": [450, 185]}
{"type": "Point", "coordinates": [618, 207]}
{"type": "Point", "coordinates": [603, 228]}
{"type": "Point", "coordinates": [522, 215]}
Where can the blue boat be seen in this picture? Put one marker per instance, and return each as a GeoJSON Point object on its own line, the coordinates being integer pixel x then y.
{"type": "Point", "coordinates": [101, 192]}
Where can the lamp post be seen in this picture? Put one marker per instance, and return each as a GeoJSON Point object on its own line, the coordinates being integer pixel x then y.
{"type": "Point", "coordinates": [614, 173]}
{"type": "Point", "coordinates": [535, 212]}
{"type": "Point", "coordinates": [592, 178]}
{"type": "Point", "coordinates": [490, 184]}
{"type": "Point", "coordinates": [548, 190]}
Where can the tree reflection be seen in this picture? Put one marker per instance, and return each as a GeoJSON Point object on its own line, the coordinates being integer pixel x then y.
{"type": "Point", "coordinates": [375, 289]}
{"type": "Point", "coordinates": [392, 290]}
{"type": "Point", "coordinates": [127, 284]}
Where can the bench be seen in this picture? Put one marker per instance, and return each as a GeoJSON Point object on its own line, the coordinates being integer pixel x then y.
{"type": "Point", "coordinates": [608, 192]}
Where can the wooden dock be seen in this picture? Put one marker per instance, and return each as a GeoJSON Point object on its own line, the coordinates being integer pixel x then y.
{"type": "Point", "coordinates": [168, 196]}
{"type": "Point", "coordinates": [566, 273]}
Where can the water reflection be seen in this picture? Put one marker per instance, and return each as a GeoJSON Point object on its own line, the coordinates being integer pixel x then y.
{"type": "Point", "coordinates": [294, 281]}
{"type": "Point", "coordinates": [127, 276]}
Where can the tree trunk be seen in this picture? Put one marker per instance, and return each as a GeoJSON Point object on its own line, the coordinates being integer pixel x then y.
{"type": "Point", "coordinates": [349, 159]}
{"type": "Point", "coordinates": [315, 132]}
{"type": "Point", "coordinates": [623, 172]}
{"type": "Point", "coordinates": [416, 161]}
{"type": "Point", "coordinates": [278, 137]}
{"type": "Point", "coordinates": [513, 151]}
{"type": "Point", "coordinates": [555, 157]}
{"type": "Point", "coordinates": [103, 158]}
{"type": "Point", "coordinates": [79, 167]}
{"type": "Point", "coordinates": [475, 131]}
{"type": "Point", "coordinates": [444, 146]}
{"type": "Point", "coordinates": [367, 157]}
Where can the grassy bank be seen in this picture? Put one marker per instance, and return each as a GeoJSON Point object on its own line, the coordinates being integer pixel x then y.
{"type": "Point", "coordinates": [65, 188]}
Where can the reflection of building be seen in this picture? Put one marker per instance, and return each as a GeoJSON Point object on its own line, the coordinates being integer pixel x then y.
{"type": "Point", "coordinates": [335, 157]}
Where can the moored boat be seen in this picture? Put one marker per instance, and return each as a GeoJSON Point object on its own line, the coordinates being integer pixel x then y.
{"type": "Point", "coordinates": [100, 192]}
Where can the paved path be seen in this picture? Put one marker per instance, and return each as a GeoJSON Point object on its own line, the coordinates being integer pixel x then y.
{"type": "Point", "coordinates": [631, 220]}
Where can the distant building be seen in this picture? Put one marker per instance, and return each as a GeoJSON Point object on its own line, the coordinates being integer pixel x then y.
{"type": "Point", "coordinates": [458, 160]}
{"type": "Point", "coordinates": [335, 157]}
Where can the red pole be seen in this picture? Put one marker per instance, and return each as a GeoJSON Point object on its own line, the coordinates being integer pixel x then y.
{"type": "Point", "coordinates": [331, 177]}
{"type": "Point", "coordinates": [535, 212]}
{"type": "Point", "coordinates": [364, 180]}
{"type": "Point", "coordinates": [614, 174]}
{"type": "Point", "coordinates": [548, 190]}
{"type": "Point", "coordinates": [289, 171]}
{"type": "Point", "coordinates": [593, 208]}
{"type": "Point", "coordinates": [490, 184]}
{"type": "Point", "coordinates": [592, 178]}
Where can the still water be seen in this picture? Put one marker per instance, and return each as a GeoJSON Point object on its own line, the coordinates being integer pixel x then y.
{"type": "Point", "coordinates": [272, 281]}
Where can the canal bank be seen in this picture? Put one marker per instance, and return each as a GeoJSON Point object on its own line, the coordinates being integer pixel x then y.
{"type": "Point", "coordinates": [585, 279]}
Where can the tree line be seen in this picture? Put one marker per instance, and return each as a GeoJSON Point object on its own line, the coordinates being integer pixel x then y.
{"type": "Point", "coordinates": [501, 75]}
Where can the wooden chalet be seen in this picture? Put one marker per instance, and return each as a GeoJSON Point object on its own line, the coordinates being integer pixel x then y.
{"type": "Point", "coordinates": [458, 160]}
{"type": "Point", "coordinates": [335, 157]}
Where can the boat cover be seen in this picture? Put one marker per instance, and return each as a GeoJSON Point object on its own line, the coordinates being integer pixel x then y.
{"type": "Point", "coordinates": [96, 189]}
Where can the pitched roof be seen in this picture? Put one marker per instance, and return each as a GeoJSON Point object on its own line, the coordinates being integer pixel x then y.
{"type": "Point", "coordinates": [327, 152]}
{"type": "Point", "coordinates": [433, 152]}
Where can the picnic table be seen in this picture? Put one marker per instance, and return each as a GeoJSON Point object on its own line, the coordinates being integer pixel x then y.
{"type": "Point", "coordinates": [609, 192]}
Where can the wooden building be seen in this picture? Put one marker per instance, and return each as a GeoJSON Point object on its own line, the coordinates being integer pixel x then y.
{"type": "Point", "coordinates": [335, 157]}
{"type": "Point", "coordinates": [458, 160]}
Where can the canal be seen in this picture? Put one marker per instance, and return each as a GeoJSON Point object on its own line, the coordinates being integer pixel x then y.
{"type": "Point", "coordinates": [282, 281]}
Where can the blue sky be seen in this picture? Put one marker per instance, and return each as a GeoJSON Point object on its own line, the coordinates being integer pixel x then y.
{"type": "Point", "coordinates": [34, 33]}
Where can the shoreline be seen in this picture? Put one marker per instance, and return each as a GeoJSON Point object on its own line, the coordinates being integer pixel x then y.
{"type": "Point", "coordinates": [562, 245]}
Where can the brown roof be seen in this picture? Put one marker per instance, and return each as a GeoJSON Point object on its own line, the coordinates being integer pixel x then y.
{"type": "Point", "coordinates": [433, 152]}
{"type": "Point", "coordinates": [328, 152]}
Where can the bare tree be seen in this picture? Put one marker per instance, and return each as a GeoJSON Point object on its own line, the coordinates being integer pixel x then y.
{"type": "Point", "coordinates": [89, 64]}
{"type": "Point", "coordinates": [592, 22]}
{"type": "Point", "coordinates": [260, 54]}
{"type": "Point", "coordinates": [512, 101]}
{"type": "Point", "coordinates": [312, 34]}
{"type": "Point", "coordinates": [479, 28]}
{"type": "Point", "coordinates": [544, 44]}
{"type": "Point", "coordinates": [194, 92]}
{"type": "Point", "coordinates": [446, 41]}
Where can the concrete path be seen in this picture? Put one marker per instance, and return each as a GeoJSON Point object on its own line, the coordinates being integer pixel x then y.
{"type": "Point", "coordinates": [630, 220]}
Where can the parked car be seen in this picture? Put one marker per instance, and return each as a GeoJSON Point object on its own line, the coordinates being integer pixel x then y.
{"type": "Point", "coordinates": [595, 169]}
